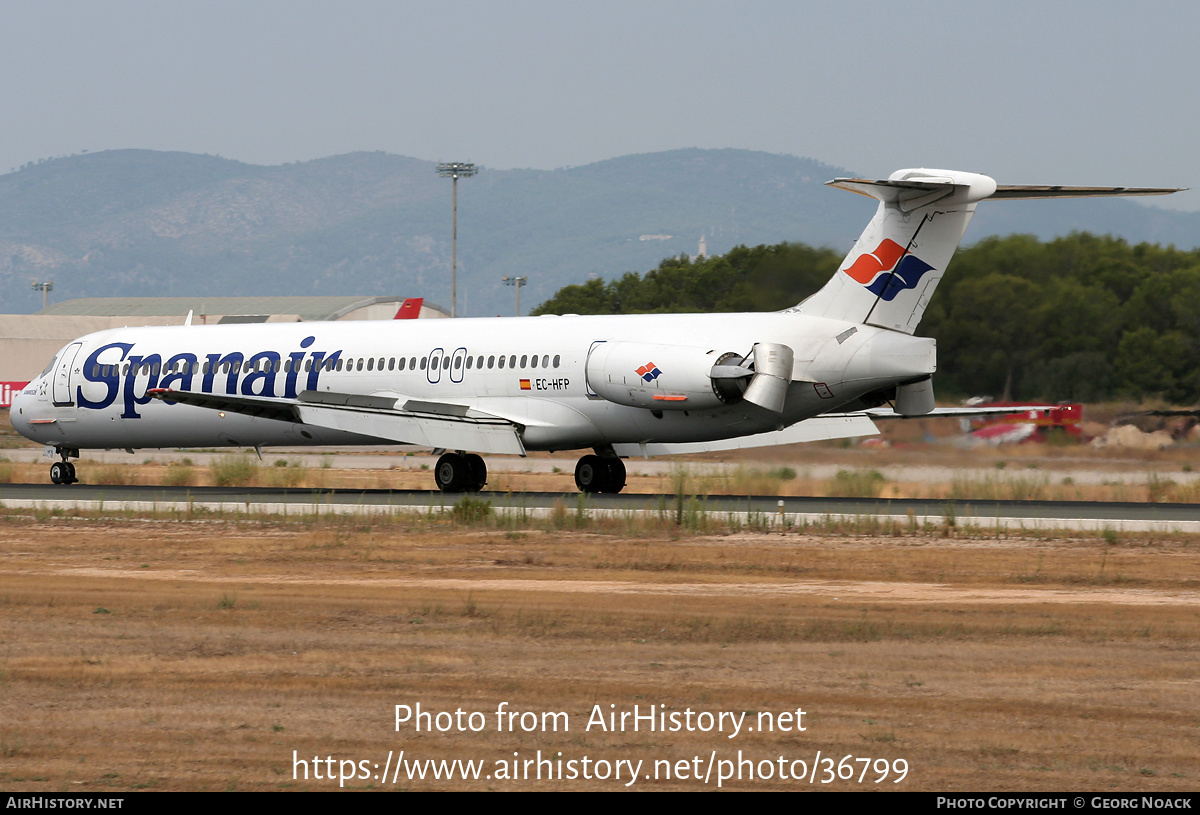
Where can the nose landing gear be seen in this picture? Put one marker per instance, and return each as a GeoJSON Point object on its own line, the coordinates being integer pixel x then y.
{"type": "Point", "coordinates": [63, 472]}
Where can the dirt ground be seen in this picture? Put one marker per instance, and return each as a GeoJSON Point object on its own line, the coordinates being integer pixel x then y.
{"type": "Point", "coordinates": [269, 655]}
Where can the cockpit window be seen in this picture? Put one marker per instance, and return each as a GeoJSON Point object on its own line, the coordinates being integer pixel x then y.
{"type": "Point", "coordinates": [49, 367]}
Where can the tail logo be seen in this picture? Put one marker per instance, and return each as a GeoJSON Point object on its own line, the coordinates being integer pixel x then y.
{"type": "Point", "coordinates": [888, 270]}
{"type": "Point", "coordinates": [649, 372]}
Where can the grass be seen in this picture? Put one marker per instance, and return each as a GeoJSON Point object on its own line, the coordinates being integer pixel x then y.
{"type": "Point", "coordinates": [181, 475]}
{"type": "Point", "coordinates": [927, 649]}
{"type": "Point", "coordinates": [1011, 487]}
{"type": "Point", "coordinates": [857, 484]}
{"type": "Point", "coordinates": [1016, 480]}
{"type": "Point", "coordinates": [233, 471]}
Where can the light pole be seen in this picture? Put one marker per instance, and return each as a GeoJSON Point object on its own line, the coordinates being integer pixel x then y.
{"type": "Point", "coordinates": [45, 288]}
{"type": "Point", "coordinates": [453, 170]}
{"type": "Point", "coordinates": [518, 282]}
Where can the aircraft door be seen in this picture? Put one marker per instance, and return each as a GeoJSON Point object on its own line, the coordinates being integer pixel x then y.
{"type": "Point", "coordinates": [591, 394]}
{"type": "Point", "coordinates": [458, 364]}
{"type": "Point", "coordinates": [434, 372]}
{"type": "Point", "coordinates": [61, 394]}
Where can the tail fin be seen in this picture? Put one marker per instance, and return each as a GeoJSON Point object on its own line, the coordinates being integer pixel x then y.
{"type": "Point", "coordinates": [892, 271]}
{"type": "Point", "coordinates": [410, 309]}
{"type": "Point", "coordinates": [894, 267]}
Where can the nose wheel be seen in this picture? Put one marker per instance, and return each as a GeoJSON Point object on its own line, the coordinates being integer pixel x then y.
{"type": "Point", "coordinates": [62, 472]}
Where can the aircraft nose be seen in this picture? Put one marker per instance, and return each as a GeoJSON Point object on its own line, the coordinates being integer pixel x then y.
{"type": "Point", "coordinates": [16, 413]}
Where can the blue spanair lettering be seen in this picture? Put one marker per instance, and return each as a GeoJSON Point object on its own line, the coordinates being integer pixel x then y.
{"type": "Point", "coordinates": [296, 357]}
{"type": "Point", "coordinates": [137, 364]}
{"type": "Point", "coordinates": [320, 362]}
{"type": "Point", "coordinates": [267, 375]}
{"type": "Point", "coordinates": [184, 378]}
{"type": "Point", "coordinates": [241, 375]}
{"type": "Point", "coordinates": [231, 361]}
{"type": "Point", "coordinates": [209, 370]}
{"type": "Point", "coordinates": [110, 380]}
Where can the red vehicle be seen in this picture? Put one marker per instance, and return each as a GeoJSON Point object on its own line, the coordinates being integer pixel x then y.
{"type": "Point", "coordinates": [1034, 425]}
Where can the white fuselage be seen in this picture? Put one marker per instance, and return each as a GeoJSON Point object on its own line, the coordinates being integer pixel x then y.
{"type": "Point", "coordinates": [531, 371]}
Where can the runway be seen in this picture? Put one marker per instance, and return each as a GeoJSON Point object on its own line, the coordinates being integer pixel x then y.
{"type": "Point", "coordinates": [786, 512]}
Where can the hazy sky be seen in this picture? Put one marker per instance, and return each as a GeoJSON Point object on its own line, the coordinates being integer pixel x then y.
{"type": "Point", "coordinates": [1093, 92]}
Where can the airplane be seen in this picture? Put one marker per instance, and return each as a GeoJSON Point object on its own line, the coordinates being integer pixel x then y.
{"type": "Point", "coordinates": [624, 385]}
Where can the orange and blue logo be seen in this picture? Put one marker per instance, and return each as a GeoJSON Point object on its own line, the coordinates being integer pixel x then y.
{"type": "Point", "coordinates": [649, 372]}
{"type": "Point", "coordinates": [888, 270]}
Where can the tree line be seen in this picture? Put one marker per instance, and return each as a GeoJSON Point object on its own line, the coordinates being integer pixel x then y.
{"type": "Point", "coordinates": [1080, 318]}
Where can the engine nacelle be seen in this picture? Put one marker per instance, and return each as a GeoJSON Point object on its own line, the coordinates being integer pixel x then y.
{"type": "Point", "coordinates": [666, 377]}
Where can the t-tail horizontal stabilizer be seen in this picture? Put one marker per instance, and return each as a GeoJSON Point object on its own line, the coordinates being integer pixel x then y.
{"type": "Point", "coordinates": [891, 273]}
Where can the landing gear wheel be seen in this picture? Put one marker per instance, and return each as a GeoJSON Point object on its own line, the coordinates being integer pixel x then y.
{"type": "Point", "coordinates": [616, 475]}
{"type": "Point", "coordinates": [71, 472]}
{"type": "Point", "coordinates": [62, 472]}
{"type": "Point", "coordinates": [478, 472]}
{"type": "Point", "coordinates": [590, 474]}
{"type": "Point", "coordinates": [595, 474]}
{"type": "Point", "coordinates": [453, 473]}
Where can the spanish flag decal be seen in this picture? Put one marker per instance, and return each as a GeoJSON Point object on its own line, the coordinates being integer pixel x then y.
{"type": "Point", "coordinates": [524, 384]}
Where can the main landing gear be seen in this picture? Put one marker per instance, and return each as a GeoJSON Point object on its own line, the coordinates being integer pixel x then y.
{"type": "Point", "coordinates": [600, 474]}
{"type": "Point", "coordinates": [63, 472]}
{"type": "Point", "coordinates": [466, 472]}
{"type": "Point", "coordinates": [460, 472]}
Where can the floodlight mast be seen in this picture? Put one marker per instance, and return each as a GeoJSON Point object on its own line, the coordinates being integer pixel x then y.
{"type": "Point", "coordinates": [518, 282]}
{"type": "Point", "coordinates": [45, 288]}
{"type": "Point", "coordinates": [453, 170]}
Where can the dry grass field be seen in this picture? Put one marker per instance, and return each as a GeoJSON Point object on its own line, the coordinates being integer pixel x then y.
{"type": "Point", "coordinates": [211, 654]}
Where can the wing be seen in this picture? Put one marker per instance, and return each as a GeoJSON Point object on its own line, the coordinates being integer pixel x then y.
{"type": "Point", "coordinates": [391, 418]}
{"type": "Point", "coordinates": [962, 412]}
{"type": "Point", "coordinates": [819, 428]}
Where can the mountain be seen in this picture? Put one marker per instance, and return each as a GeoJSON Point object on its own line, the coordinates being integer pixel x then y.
{"type": "Point", "coordinates": [139, 222]}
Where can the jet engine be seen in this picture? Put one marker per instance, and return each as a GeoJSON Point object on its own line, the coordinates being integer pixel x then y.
{"type": "Point", "coordinates": [678, 377]}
